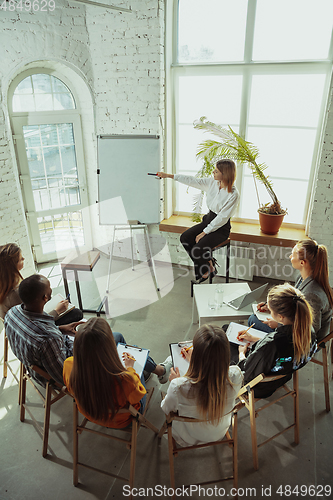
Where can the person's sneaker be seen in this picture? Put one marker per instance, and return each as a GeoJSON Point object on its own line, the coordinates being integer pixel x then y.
{"type": "Point", "coordinates": [163, 379]}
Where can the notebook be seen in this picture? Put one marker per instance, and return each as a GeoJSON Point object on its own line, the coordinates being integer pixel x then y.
{"type": "Point", "coordinates": [51, 304]}
{"type": "Point", "coordinates": [261, 315]}
{"type": "Point", "coordinates": [177, 359]}
{"type": "Point", "coordinates": [140, 355]}
{"type": "Point", "coordinates": [233, 330]}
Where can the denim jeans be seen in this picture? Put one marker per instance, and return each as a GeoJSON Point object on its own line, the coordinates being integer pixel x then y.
{"type": "Point", "coordinates": [259, 325]}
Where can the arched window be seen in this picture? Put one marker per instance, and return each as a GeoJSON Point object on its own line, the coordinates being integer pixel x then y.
{"type": "Point", "coordinates": [264, 68]}
{"type": "Point", "coordinates": [48, 140]}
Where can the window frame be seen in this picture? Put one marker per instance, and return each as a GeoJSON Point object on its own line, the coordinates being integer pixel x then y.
{"type": "Point", "coordinates": [20, 118]}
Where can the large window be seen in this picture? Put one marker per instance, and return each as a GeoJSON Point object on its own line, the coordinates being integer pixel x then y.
{"type": "Point", "coordinates": [262, 67]}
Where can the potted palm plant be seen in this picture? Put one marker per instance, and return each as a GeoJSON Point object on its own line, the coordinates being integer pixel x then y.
{"type": "Point", "coordinates": [233, 146]}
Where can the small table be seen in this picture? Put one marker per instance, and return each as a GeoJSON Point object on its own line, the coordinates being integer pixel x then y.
{"type": "Point", "coordinates": [82, 262]}
{"type": "Point", "coordinates": [201, 295]}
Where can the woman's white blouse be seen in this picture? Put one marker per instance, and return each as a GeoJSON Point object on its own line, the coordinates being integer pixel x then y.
{"type": "Point", "coordinates": [218, 200]}
{"type": "Point", "coordinates": [176, 399]}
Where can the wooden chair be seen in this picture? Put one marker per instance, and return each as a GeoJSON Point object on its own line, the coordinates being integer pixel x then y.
{"type": "Point", "coordinates": [174, 450]}
{"type": "Point", "coordinates": [246, 396]}
{"type": "Point", "coordinates": [53, 393]}
{"type": "Point", "coordinates": [228, 439]}
{"type": "Point", "coordinates": [138, 419]}
{"type": "Point", "coordinates": [225, 243]}
{"type": "Point", "coordinates": [6, 363]}
{"type": "Point", "coordinates": [326, 341]}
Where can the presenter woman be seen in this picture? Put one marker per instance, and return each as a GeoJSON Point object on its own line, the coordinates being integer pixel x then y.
{"type": "Point", "coordinates": [222, 198]}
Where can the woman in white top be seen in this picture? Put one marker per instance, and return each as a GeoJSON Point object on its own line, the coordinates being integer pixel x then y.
{"type": "Point", "coordinates": [222, 198]}
{"type": "Point", "coordinates": [207, 391]}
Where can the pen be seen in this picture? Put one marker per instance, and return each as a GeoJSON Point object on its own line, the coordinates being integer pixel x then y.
{"type": "Point", "coordinates": [151, 174]}
{"type": "Point", "coordinates": [68, 297]}
{"type": "Point", "coordinates": [245, 331]}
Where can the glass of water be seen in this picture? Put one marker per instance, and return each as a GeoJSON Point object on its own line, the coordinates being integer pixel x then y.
{"type": "Point", "coordinates": [219, 295]}
{"type": "Point", "coordinates": [212, 304]}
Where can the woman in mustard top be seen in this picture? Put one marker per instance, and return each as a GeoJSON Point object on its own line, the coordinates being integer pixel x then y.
{"type": "Point", "coordinates": [98, 380]}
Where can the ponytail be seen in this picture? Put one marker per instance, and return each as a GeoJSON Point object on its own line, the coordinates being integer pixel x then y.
{"type": "Point", "coordinates": [317, 257]}
{"type": "Point", "coordinates": [302, 327]}
{"type": "Point", "coordinates": [291, 303]}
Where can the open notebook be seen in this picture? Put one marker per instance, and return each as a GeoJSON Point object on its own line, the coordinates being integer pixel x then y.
{"type": "Point", "coordinates": [234, 328]}
{"type": "Point", "coordinates": [140, 355]}
{"type": "Point", "coordinates": [51, 304]}
{"type": "Point", "coordinates": [177, 359]}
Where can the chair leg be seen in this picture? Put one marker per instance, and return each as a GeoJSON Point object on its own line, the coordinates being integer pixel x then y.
{"type": "Point", "coordinates": [326, 384]}
{"type": "Point", "coordinates": [171, 464]}
{"type": "Point", "coordinates": [5, 355]}
{"type": "Point", "coordinates": [46, 419]}
{"type": "Point", "coordinates": [235, 452]}
{"type": "Point", "coordinates": [133, 453]}
{"type": "Point", "coordinates": [75, 446]}
{"type": "Point", "coordinates": [296, 407]}
{"type": "Point", "coordinates": [253, 430]}
{"type": "Point", "coordinates": [23, 388]}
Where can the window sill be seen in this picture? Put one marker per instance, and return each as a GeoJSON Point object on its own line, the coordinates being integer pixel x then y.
{"type": "Point", "coordinates": [240, 231]}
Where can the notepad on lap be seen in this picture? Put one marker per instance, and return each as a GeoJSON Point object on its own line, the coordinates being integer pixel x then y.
{"type": "Point", "coordinates": [140, 355]}
{"type": "Point", "coordinates": [177, 359]}
{"type": "Point", "coordinates": [54, 301]}
{"type": "Point", "coordinates": [261, 315]}
{"type": "Point", "coordinates": [234, 328]}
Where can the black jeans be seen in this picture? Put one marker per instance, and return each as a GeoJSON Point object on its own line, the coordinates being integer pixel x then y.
{"type": "Point", "coordinates": [201, 253]}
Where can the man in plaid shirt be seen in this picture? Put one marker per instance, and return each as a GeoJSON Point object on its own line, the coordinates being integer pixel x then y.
{"type": "Point", "coordinates": [33, 336]}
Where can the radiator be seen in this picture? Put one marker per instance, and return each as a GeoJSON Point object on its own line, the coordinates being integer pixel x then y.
{"type": "Point", "coordinates": [241, 262]}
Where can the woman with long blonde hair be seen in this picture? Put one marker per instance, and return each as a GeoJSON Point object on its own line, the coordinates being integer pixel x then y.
{"type": "Point", "coordinates": [284, 350]}
{"type": "Point", "coordinates": [96, 377]}
{"type": "Point", "coordinates": [311, 260]}
{"type": "Point", "coordinates": [207, 391]}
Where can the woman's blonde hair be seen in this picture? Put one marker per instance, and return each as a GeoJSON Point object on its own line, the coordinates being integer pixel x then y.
{"type": "Point", "coordinates": [10, 277]}
{"type": "Point", "coordinates": [97, 370]}
{"type": "Point", "coordinates": [316, 256]}
{"type": "Point", "coordinates": [228, 170]}
{"type": "Point", "coordinates": [291, 303]}
{"type": "Point", "coordinates": [209, 371]}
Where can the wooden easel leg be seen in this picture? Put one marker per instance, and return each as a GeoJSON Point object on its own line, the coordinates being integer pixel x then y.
{"type": "Point", "coordinates": [75, 446]}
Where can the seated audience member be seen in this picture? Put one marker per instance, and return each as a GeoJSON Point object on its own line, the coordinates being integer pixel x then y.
{"type": "Point", "coordinates": [312, 261]}
{"type": "Point", "coordinates": [36, 340]}
{"type": "Point", "coordinates": [98, 380]}
{"type": "Point", "coordinates": [11, 264]}
{"type": "Point", "coordinates": [282, 351]}
{"type": "Point", "coordinates": [207, 391]}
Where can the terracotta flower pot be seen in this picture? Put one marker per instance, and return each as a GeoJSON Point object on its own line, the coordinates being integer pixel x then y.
{"type": "Point", "coordinates": [270, 223]}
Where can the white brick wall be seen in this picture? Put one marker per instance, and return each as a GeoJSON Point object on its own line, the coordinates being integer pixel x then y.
{"type": "Point", "coordinates": [120, 57]}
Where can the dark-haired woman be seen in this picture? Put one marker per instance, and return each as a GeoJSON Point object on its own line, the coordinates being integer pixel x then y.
{"type": "Point", "coordinates": [222, 197]}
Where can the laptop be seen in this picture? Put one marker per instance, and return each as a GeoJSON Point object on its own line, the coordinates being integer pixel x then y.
{"type": "Point", "coordinates": [246, 298]}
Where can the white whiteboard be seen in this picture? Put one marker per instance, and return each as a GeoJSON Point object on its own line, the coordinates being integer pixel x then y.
{"type": "Point", "coordinates": [126, 194]}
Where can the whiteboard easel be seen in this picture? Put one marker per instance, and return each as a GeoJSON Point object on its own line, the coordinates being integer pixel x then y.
{"type": "Point", "coordinates": [131, 227]}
